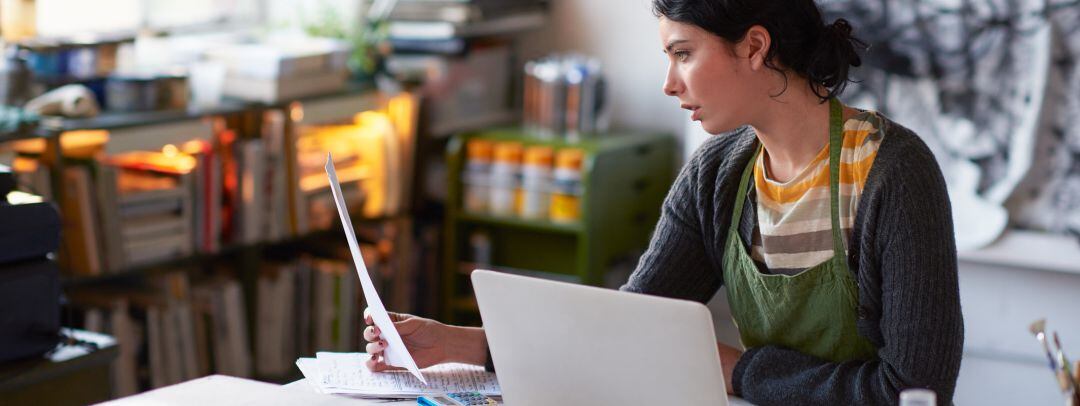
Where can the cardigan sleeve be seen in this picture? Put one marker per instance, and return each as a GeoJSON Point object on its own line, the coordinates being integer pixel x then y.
{"type": "Point", "coordinates": [676, 263]}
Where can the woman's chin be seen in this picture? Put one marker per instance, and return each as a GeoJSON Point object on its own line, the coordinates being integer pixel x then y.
{"type": "Point", "coordinates": [715, 128]}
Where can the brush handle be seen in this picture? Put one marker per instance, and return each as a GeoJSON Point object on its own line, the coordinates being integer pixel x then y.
{"type": "Point", "coordinates": [1076, 371]}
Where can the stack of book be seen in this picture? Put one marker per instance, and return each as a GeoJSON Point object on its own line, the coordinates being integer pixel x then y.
{"type": "Point", "coordinates": [284, 69]}
{"type": "Point", "coordinates": [146, 207]}
{"type": "Point", "coordinates": [443, 26]}
{"type": "Point", "coordinates": [314, 203]}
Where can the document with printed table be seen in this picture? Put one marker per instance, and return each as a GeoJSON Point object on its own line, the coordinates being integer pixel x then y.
{"type": "Point", "coordinates": [345, 373]}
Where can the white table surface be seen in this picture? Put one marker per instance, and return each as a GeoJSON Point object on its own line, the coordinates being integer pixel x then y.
{"type": "Point", "coordinates": [227, 390]}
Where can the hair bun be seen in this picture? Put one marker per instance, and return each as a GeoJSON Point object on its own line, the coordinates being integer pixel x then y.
{"type": "Point", "coordinates": [838, 37]}
{"type": "Point", "coordinates": [841, 28]}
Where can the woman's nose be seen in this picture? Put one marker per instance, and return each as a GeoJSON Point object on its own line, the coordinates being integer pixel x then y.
{"type": "Point", "coordinates": [672, 86]}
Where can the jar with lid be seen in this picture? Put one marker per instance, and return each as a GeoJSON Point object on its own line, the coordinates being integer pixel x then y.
{"type": "Point", "coordinates": [566, 190]}
{"type": "Point", "coordinates": [505, 178]}
{"type": "Point", "coordinates": [536, 182]}
{"type": "Point", "coordinates": [476, 177]}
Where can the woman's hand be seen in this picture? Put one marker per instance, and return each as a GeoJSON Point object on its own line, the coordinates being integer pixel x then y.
{"type": "Point", "coordinates": [728, 358]}
{"type": "Point", "coordinates": [428, 341]}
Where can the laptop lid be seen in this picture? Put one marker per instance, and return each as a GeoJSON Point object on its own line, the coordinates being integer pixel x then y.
{"type": "Point", "coordinates": [557, 343]}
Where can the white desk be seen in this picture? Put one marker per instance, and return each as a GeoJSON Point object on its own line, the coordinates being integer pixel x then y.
{"type": "Point", "coordinates": [227, 390]}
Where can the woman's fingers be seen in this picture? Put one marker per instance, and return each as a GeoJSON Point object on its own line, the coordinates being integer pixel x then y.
{"type": "Point", "coordinates": [371, 333]}
{"type": "Point", "coordinates": [377, 363]}
{"type": "Point", "coordinates": [395, 317]}
{"type": "Point", "coordinates": [376, 347]}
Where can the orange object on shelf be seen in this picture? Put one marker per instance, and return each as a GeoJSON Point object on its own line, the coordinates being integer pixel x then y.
{"type": "Point", "coordinates": [566, 185]}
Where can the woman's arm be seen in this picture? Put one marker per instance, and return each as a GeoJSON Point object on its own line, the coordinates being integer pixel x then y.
{"type": "Point", "coordinates": [914, 251]}
{"type": "Point", "coordinates": [676, 264]}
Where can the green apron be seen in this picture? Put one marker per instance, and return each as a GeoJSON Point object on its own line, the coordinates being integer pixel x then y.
{"type": "Point", "coordinates": [813, 312]}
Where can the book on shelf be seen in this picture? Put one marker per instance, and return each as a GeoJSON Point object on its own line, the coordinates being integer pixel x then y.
{"type": "Point", "coordinates": [206, 192]}
{"type": "Point", "coordinates": [446, 46]}
{"type": "Point", "coordinates": [81, 248]}
{"type": "Point", "coordinates": [252, 190]}
{"type": "Point", "coordinates": [220, 305]}
{"type": "Point", "coordinates": [275, 90]}
{"type": "Point", "coordinates": [276, 204]}
{"type": "Point", "coordinates": [526, 19]}
{"type": "Point", "coordinates": [459, 11]}
{"type": "Point", "coordinates": [275, 343]}
{"type": "Point", "coordinates": [283, 57]}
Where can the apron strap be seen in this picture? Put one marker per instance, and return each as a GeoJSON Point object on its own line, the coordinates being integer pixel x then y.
{"type": "Point", "coordinates": [740, 195]}
{"type": "Point", "coordinates": [836, 144]}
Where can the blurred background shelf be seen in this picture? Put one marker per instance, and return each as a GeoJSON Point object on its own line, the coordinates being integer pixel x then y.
{"type": "Point", "coordinates": [625, 177]}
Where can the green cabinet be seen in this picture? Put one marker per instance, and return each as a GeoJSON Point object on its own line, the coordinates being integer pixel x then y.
{"type": "Point", "coordinates": [625, 177]}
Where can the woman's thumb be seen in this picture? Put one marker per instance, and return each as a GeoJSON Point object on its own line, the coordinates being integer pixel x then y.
{"type": "Point", "coordinates": [408, 326]}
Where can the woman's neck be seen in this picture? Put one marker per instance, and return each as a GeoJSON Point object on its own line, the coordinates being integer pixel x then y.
{"type": "Point", "coordinates": [793, 128]}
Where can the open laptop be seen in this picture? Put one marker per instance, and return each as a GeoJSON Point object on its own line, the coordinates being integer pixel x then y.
{"type": "Point", "coordinates": [557, 343]}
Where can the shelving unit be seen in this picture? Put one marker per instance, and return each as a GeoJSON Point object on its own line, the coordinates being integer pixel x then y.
{"type": "Point", "coordinates": [244, 260]}
{"type": "Point", "coordinates": [625, 179]}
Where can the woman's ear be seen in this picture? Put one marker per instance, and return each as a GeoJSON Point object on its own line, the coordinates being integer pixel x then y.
{"type": "Point", "coordinates": [756, 44]}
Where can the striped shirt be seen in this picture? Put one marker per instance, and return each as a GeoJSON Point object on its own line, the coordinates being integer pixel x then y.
{"type": "Point", "coordinates": [794, 225]}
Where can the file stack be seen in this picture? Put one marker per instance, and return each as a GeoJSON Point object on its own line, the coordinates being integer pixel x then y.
{"type": "Point", "coordinates": [147, 207]}
{"type": "Point", "coordinates": [283, 69]}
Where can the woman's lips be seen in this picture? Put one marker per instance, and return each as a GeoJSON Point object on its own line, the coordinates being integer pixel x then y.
{"type": "Point", "coordinates": [695, 109]}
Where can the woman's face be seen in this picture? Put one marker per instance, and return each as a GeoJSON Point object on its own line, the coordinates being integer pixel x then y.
{"type": "Point", "coordinates": [706, 75]}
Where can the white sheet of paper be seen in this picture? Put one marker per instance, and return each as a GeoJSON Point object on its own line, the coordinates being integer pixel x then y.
{"type": "Point", "coordinates": [396, 354]}
{"type": "Point", "coordinates": [344, 373]}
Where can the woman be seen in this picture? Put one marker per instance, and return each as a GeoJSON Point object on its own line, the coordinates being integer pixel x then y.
{"type": "Point", "coordinates": [829, 227]}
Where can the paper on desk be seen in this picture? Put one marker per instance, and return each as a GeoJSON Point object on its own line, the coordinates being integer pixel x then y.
{"type": "Point", "coordinates": [345, 373]}
{"type": "Point", "coordinates": [395, 354]}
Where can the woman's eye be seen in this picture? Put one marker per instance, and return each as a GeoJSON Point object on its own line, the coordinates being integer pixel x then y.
{"type": "Point", "coordinates": [681, 55]}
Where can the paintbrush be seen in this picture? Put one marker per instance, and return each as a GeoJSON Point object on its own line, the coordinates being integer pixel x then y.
{"type": "Point", "coordinates": [1038, 329]}
{"type": "Point", "coordinates": [1066, 367]}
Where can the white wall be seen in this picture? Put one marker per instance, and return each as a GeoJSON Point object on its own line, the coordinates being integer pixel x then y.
{"type": "Point", "coordinates": [624, 36]}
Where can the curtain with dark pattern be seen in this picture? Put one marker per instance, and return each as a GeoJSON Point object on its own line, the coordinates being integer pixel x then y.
{"type": "Point", "coordinates": [992, 86]}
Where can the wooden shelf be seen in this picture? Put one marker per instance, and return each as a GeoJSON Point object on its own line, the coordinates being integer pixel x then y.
{"type": "Point", "coordinates": [1029, 250]}
{"type": "Point", "coordinates": [525, 224]}
{"type": "Point", "coordinates": [116, 120]}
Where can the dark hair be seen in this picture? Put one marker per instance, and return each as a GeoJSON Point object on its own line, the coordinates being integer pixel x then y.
{"type": "Point", "coordinates": [801, 41]}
